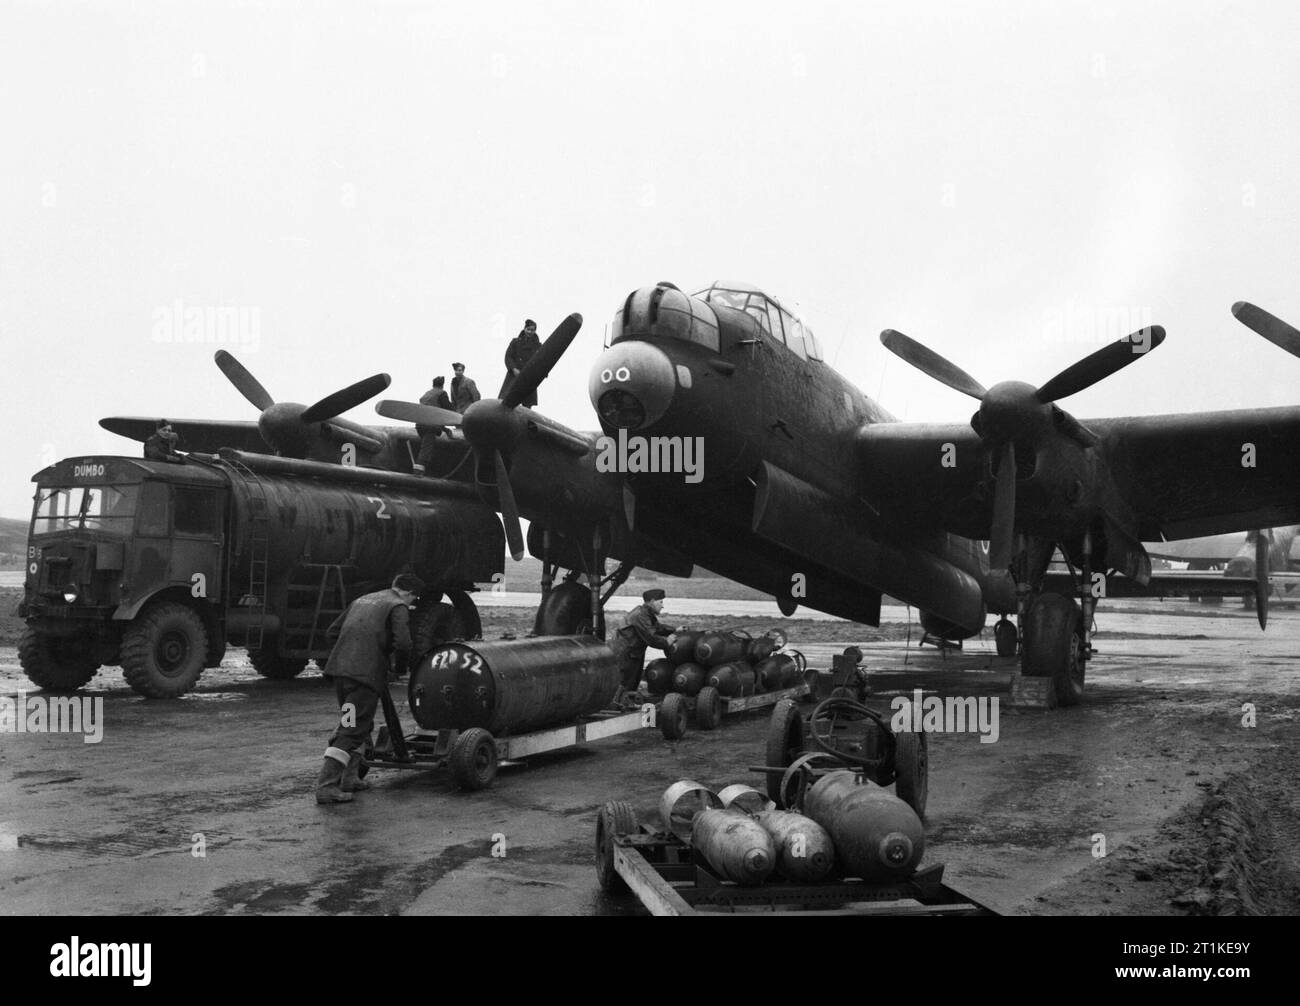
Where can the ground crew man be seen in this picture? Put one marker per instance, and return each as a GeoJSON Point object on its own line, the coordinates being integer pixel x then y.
{"type": "Point", "coordinates": [437, 397]}
{"type": "Point", "coordinates": [641, 628]}
{"type": "Point", "coordinates": [523, 347]}
{"type": "Point", "coordinates": [373, 627]}
{"type": "Point", "coordinates": [162, 445]}
{"type": "Point", "coordinates": [464, 392]}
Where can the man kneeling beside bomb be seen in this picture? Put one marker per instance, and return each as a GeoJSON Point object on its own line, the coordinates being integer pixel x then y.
{"type": "Point", "coordinates": [373, 627]}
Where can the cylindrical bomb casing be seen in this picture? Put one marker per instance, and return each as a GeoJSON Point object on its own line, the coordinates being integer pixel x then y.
{"type": "Point", "coordinates": [715, 648]}
{"type": "Point", "coordinates": [510, 687]}
{"type": "Point", "coordinates": [780, 670]}
{"type": "Point", "coordinates": [689, 679]}
{"type": "Point", "coordinates": [735, 678]}
{"type": "Point", "coordinates": [735, 845]}
{"type": "Point", "coordinates": [804, 851]}
{"type": "Point", "coordinates": [877, 836]}
{"type": "Point", "coordinates": [760, 649]}
{"type": "Point", "coordinates": [682, 648]}
{"type": "Point", "coordinates": [658, 675]}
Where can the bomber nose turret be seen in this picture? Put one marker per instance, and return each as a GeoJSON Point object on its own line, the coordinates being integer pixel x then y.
{"type": "Point", "coordinates": [632, 385]}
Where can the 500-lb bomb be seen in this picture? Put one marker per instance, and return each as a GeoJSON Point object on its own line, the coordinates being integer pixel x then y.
{"type": "Point", "coordinates": [689, 679]}
{"type": "Point", "coordinates": [716, 648]}
{"type": "Point", "coordinates": [735, 845]}
{"type": "Point", "coordinates": [804, 851]}
{"type": "Point", "coordinates": [877, 836]}
{"type": "Point", "coordinates": [511, 687]}
{"type": "Point", "coordinates": [682, 649]}
{"type": "Point", "coordinates": [780, 670]}
{"type": "Point", "coordinates": [658, 675]}
{"type": "Point", "coordinates": [735, 678]}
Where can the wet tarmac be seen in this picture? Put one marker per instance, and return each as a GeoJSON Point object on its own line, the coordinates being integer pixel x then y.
{"type": "Point", "coordinates": [203, 805]}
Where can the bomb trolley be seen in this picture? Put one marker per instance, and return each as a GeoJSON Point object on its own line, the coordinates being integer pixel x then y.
{"type": "Point", "coordinates": [481, 705]}
{"type": "Point", "coordinates": [709, 707]}
{"type": "Point", "coordinates": [668, 877]}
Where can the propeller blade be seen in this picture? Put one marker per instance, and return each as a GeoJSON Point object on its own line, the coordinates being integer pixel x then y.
{"type": "Point", "coordinates": [509, 512]}
{"type": "Point", "coordinates": [348, 398]}
{"type": "Point", "coordinates": [1262, 543]}
{"type": "Point", "coordinates": [536, 369]}
{"type": "Point", "coordinates": [1004, 511]}
{"type": "Point", "coordinates": [245, 383]}
{"type": "Point", "coordinates": [927, 361]}
{"type": "Point", "coordinates": [1101, 364]}
{"type": "Point", "coordinates": [414, 412]}
{"type": "Point", "coordinates": [1274, 329]}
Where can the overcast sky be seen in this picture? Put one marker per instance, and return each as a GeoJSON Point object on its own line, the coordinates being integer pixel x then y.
{"type": "Point", "coordinates": [393, 187]}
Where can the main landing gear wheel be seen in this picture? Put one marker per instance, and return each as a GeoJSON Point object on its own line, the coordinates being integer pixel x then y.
{"type": "Point", "coordinates": [566, 611]}
{"type": "Point", "coordinates": [615, 818]}
{"type": "Point", "coordinates": [270, 664]}
{"type": "Point", "coordinates": [912, 765]}
{"type": "Point", "coordinates": [784, 743]}
{"type": "Point", "coordinates": [56, 665]}
{"type": "Point", "coordinates": [1004, 635]}
{"type": "Point", "coordinates": [672, 716]}
{"type": "Point", "coordinates": [443, 621]}
{"type": "Point", "coordinates": [163, 651]}
{"type": "Point", "coordinates": [1053, 647]}
{"type": "Point", "coordinates": [474, 759]}
{"type": "Point", "coordinates": [708, 708]}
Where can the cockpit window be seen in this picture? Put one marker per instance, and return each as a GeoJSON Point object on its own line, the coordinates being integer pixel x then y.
{"type": "Point", "coordinates": [776, 320]}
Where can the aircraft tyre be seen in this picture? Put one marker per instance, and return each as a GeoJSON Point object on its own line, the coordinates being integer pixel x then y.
{"type": "Point", "coordinates": [56, 665]}
{"type": "Point", "coordinates": [270, 664]}
{"type": "Point", "coordinates": [1053, 646]}
{"type": "Point", "coordinates": [163, 651]}
{"type": "Point", "coordinates": [1005, 636]}
{"type": "Point", "coordinates": [566, 611]}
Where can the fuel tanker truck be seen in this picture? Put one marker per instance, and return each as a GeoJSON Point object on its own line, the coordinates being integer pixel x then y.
{"type": "Point", "coordinates": [158, 566]}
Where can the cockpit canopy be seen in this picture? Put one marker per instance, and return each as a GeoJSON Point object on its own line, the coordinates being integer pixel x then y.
{"type": "Point", "coordinates": [777, 321]}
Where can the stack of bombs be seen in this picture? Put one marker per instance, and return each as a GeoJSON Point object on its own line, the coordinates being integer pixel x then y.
{"type": "Point", "coordinates": [850, 827]}
{"type": "Point", "coordinates": [731, 661]}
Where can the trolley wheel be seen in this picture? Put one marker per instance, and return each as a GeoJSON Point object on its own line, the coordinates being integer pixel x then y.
{"type": "Point", "coordinates": [708, 708]}
{"type": "Point", "coordinates": [474, 759]}
{"type": "Point", "coordinates": [1005, 636]}
{"type": "Point", "coordinates": [615, 818]}
{"type": "Point", "coordinates": [912, 765]}
{"type": "Point", "coordinates": [672, 716]}
{"type": "Point", "coordinates": [784, 743]}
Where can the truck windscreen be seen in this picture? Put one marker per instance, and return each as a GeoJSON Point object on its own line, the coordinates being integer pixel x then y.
{"type": "Point", "coordinates": [102, 508]}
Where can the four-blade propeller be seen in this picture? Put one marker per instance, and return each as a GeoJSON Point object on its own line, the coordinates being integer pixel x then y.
{"type": "Point", "coordinates": [493, 426]}
{"type": "Point", "coordinates": [1014, 412]}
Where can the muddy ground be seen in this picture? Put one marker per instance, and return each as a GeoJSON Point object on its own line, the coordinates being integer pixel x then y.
{"type": "Point", "coordinates": [1197, 809]}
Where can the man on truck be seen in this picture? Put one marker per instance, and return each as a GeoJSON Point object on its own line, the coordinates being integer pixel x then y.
{"type": "Point", "coordinates": [372, 628]}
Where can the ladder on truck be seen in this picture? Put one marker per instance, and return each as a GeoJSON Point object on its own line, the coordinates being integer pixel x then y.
{"type": "Point", "coordinates": [303, 634]}
{"type": "Point", "coordinates": [255, 598]}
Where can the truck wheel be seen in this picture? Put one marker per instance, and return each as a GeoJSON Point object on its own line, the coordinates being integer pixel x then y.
{"type": "Point", "coordinates": [56, 665]}
{"type": "Point", "coordinates": [784, 743]}
{"type": "Point", "coordinates": [912, 765]}
{"type": "Point", "coordinates": [615, 818]}
{"type": "Point", "coordinates": [672, 716]}
{"type": "Point", "coordinates": [163, 651]}
{"type": "Point", "coordinates": [270, 664]}
{"type": "Point", "coordinates": [474, 759]}
{"type": "Point", "coordinates": [708, 708]}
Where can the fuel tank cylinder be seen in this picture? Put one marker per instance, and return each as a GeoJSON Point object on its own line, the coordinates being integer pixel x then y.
{"type": "Point", "coordinates": [877, 836]}
{"type": "Point", "coordinates": [689, 679]}
{"type": "Point", "coordinates": [510, 687]}
{"type": "Point", "coordinates": [735, 845]}
{"type": "Point", "coordinates": [658, 675]}
{"type": "Point", "coordinates": [683, 648]}
{"type": "Point", "coordinates": [716, 648]}
{"type": "Point", "coordinates": [804, 851]}
{"type": "Point", "coordinates": [735, 678]}
{"type": "Point", "coordinates": [780, 670]}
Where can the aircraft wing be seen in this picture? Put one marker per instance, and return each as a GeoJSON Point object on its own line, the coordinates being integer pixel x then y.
{"type": "Point", "coordinates": [207, 435]}
{"type": "Point", "coordinates": [1163, 583]}
{"type": "Point", "coordinates": [1216, 548]}
{"type": "Point", "coordinates": [1182, 475]}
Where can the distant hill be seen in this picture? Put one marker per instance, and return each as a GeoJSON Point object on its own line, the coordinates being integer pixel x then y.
{"type": "Point", "coordinates": [13, 541]}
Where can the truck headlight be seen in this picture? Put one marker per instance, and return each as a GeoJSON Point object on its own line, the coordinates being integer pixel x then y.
{"type": "Point", "coordinates": [70, 595]}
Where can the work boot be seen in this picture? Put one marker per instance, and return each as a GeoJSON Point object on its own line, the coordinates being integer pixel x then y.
{"type": "Point", "coordinates": [352, 781]}
{"type": "Point", "coordinates": [328, 789]}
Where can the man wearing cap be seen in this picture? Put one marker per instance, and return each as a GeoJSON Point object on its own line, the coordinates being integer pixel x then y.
{"type": "Point", "coordinates": [437, 397]}
{"type": "Point", "coordinates": [523, 347]}
{"type": "Point", "coordinates": [162, 445]}
{"type": "Point", "coordinates": [373, 627]}
{"type": "Point", "coordinates": [464, 392]}
{"type": "Point", "coordinates": [641, 628]}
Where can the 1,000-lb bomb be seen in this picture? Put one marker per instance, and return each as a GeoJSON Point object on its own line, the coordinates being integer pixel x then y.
{"type": "Point", "coordinates": [734, 678]}
{"type": "Point", "coordinates": [689, 679]}
{"type": "Point", "coordinates": [735, 845]}
{"type": "Point", "coordinates": [877, 836]}
{"type": "Point", "coordinates": [659, 675]}
{"type": "Point", "coordinates": [804, 852]}
{"type": "Point", "coordinates": [715, 648]}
